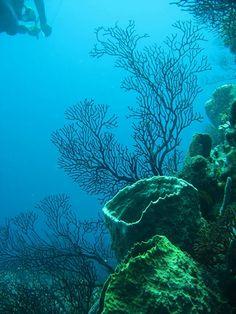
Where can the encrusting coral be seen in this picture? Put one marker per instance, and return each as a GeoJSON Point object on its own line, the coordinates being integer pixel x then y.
{"type": "Point", "coordinates": [157, 277]}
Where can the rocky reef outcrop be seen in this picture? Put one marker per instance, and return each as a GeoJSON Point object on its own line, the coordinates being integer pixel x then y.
{"type": "Point", "coordinates": [214, 176]}
{"type": "Point", "coordinates": [208, 172]}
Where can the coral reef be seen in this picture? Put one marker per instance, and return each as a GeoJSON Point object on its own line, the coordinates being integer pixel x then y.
{"type": "Point", "coordinates": [209, 173]}
{"type": "Point", "coordinates": [215, 178]}
{"type": "Point", "coordinates": [158, 205]}
{"type": "Point", "coordinates": [157, 277]}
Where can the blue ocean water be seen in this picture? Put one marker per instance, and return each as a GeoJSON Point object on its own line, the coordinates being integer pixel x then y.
{"type": "Point", "coordinates": [40, 78]}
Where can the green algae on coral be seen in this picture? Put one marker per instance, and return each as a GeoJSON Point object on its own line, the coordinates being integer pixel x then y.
{"type": "Point", "coordinates": [157, 277]}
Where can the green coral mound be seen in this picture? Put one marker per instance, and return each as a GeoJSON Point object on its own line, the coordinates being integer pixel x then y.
{"type": "Point", "coordinates": [157, 277]}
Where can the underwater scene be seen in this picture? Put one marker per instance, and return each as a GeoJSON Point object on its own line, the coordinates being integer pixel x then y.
{"type": "Point", "coordinates": [117, 157]}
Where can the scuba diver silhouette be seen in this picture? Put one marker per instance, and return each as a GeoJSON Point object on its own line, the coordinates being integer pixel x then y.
{"type": "Point", "coordinates": [14, 16]}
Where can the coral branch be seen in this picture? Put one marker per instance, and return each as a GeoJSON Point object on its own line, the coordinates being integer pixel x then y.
{"type": "Point", "coordinates": [165, 80]}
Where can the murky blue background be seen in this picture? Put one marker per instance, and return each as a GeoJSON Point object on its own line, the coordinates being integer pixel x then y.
{"type": "Point", "coordinates": [40, 78]}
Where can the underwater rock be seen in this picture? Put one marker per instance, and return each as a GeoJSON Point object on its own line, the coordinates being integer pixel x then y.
{"type": "Point", "coordinates": [200, 145]}
{"type": "Point", "coordinates": [157, 277]}
{"type": "Point", "coordinates": [159, 205]}
{"type": "Point", "coordinates": [219, 106]}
